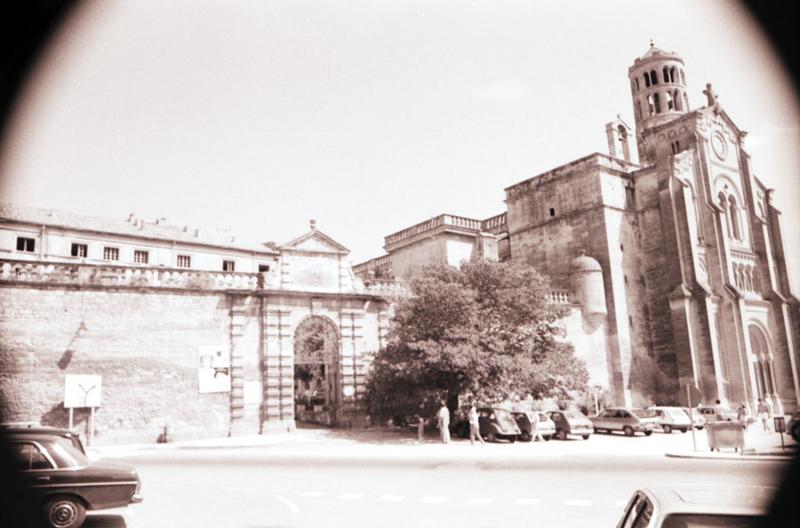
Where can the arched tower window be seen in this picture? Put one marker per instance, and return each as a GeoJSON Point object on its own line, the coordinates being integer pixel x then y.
{"type": "Point", "coordinates": [683, 78]}
{"type": "Point", "coordinates": [723, 205]}
{"type": "Point", "coordinates": [670, 104]}
{"type": "Point", "coordinates": [646, 80]}
{"type": "Point", "coordinates": [665, 72]}
{"type": "Point", "coordinates": [653, 78]}
{"type": "Point", "coordinates": [733, 214]}
{"type": "Point", "coordinates": [657, 103]}
{"type": "Point", "coordinates": [672, 74]}
{"type": "Point", "coordinates": [651, 107]}
{"type": "Point", "coordinates": [637, 84]}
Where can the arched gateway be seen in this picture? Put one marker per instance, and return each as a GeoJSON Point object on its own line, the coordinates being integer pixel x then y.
{"type": "Point", "coordinates": [317, 372]}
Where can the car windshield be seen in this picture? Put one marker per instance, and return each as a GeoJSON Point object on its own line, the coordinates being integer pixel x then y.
{"type": "Point", "coordinates": [677, 413]}
{"type": "Point", "coordinates": [504, 418]}
{"type": "Point", "coordinates": [696, 520]}
{"type": "Point", "coordinates": [575, 415]}
{"type": "Point", "coordinates": [65, 454]}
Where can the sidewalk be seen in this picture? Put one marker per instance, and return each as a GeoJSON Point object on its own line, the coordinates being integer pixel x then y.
{"type": "Point", "coordinates": [377, 444]}
{"type": "Point", "coordinates": [758, 446]}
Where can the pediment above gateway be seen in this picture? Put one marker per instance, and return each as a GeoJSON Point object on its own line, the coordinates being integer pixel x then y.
{"type": "Point", "coordinates": [315, 242]}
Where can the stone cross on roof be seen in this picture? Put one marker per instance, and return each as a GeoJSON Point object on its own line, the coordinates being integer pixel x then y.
{"type": "Point", "coordinates": [710, 94]}
{"type": "Point", "coordinates": [313, 224]}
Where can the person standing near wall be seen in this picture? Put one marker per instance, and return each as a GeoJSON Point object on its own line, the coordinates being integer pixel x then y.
{"type": "Point", "coordinates": [443, 422]}
{"type": "Point", "coordinates": [535, 434]}
{"type": "Point", "coordinates": [763, 414]}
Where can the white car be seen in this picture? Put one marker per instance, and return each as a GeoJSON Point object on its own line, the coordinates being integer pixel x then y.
{"type": "Point", "coordinates": [671, 419]}
{"type": "Point", "coordinates": [700, 506]}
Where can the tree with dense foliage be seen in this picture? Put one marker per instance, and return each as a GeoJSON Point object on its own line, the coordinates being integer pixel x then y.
{"type": "Point", "coordinates": [486, 330]}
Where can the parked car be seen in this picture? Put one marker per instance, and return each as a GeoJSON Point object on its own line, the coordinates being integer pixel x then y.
{"type": "Point", "coordinates": [628, 420]}
{"type": "Point", "coordinates": [496, 423]}
{"type": "Point", "coordinates": [793, 426]}
{"type": "Point", "coordinates": [33, 428]}
{"type": "Point", "coordinates": [714, 414]}
{"type": "Point", "coordinates": [698, 419]}
{"type": "Point", "coordinates": [524, 420]}
{"type": "Point", "coordinates": [571, 423]}
{"type": "Point", "coordinates": [671, 418]}
{"type": "Point", "coordinates": [742, 506]}
{"type": "Point", "coordinates": [63, 481]}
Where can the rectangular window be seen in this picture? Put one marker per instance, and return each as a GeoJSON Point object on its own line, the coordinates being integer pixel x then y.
{"type": "Point", "coordinates": [141, 256]}
{"type": "Point", "coordinates": [552, 211]}
{"type": "Point", "coordinates": [184, 261]}
{"type": "Point", "coordinates": [79, 250]}
{"type": "Point", "coordinates": [110, 253]}
{"type": "Point", "coordinates": [263, 268]}
{"type": "Point", "coordinates": [27, 245]}
{"type": "Point", "coordinates": [228, 265]}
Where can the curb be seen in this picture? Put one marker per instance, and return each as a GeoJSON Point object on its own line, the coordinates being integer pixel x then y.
{"type": "Point", "coordinates": [732, 456]}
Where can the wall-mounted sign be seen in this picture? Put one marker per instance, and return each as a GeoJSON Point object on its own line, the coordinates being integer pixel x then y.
{"type": "Point", "coordinates": [214, 369]}
{"type": "Point", "coordinates": [82, 390]}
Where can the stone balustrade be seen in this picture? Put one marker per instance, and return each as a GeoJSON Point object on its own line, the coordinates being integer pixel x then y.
{"type": "Point", "coordinates": [559, 297]}
{"type": "Point", "coordinates": [141, 277]}
{"type": "Point", "coordinates": [433, 223]}
{"type": "Point", "coordinates": [495, 223]}
{"type": "Point", "coordinates": [386, 287]}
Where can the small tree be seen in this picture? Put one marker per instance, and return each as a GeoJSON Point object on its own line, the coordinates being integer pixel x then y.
{"type": "Point", "coordinates": [486, 329]}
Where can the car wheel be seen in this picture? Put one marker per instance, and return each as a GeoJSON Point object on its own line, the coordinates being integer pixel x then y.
{"type": "Point", "coordinates": [648, 433]}
{"type": "Point", "coordinates": [525, 437]}
{"type": "Point", "coordinates": [667, 429]}
{"type": "Point", "coordinates": [562, 435]}
{"type": "Point", "coordinates": [512, 438]}
{"type": "Point", "coordinates": [585, 437]}
{"type": "Point", "coordinates": [547, 438]}
{"type": "Point", "coordinates": [490, 437]}
{"type": "Point", "coordinates": [684, 430]}
{"type": "Point", "coordinates": [628, 430]}
{"type": "Point", "coordinates": [64, 512]}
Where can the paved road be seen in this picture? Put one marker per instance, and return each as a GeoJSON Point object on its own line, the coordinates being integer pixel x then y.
{"type": "Point", "coordinates": [427, 485]}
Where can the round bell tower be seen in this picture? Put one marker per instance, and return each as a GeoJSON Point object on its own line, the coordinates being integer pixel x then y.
{"type": "Point", "coordinates": [658, 88]}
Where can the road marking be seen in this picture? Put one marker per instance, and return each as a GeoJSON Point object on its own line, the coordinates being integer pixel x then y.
{"type": "Point", "coordinates": [312, 494]}
{"type": "Point", "coordinates": [292, 506]}
{"type": "Point", "coordinates": [391, 498]}
{"type": "Point", "coordinates": [480, 501]}
{"type": "Point", "coordinates": [577, 502]}
{"type": "Point", "coordinates": [527, 502]}
{"type": "Point", "coordinates": [434, 499]}
{"type": "Point", "coordinates": [351, 495]}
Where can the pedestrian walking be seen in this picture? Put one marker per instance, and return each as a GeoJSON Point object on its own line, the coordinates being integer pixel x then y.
{"type": "Point", "coordinates": [763, 414]}
{"type": "Point", "coordinates": [536, 435]}
{"type": "Point", "coordinates": [474, 425]}
{"type": "Point", "coordinates": [443, 422]}
{"type": "Point", "coordinates": [719, 411]}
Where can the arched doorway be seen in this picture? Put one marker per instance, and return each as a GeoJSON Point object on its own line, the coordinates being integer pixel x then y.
{"type": "Point", "coordinates": [316, 371]}
{"type": "Point", "coordinates": [765, 376]}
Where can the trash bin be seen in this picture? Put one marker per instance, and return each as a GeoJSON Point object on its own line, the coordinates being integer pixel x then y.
{"type": "Point", "coordinates": [725, 434]}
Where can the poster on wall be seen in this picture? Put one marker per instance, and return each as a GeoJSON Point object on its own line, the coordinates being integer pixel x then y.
{"type": "Point", "coordinates": [82, 390]}
{"type": "Point", "coordinates": [214, 370]}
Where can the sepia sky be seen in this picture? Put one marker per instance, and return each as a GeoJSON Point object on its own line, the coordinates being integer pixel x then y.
{"type": "Point", "coordinates": [368, 116]}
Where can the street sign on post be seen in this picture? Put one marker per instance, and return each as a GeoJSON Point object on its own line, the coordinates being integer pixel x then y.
{"type": "Point", "coordinates": [83, 390]}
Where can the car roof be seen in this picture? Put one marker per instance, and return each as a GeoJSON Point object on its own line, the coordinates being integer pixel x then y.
{"type": "Point", "coordinates": [732, 500]}
{"type": "Point", "coordinates": [35, 429]}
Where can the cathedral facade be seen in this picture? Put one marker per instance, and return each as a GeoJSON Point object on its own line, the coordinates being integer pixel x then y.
{"type": "Point", "coordinates": [674, 266]}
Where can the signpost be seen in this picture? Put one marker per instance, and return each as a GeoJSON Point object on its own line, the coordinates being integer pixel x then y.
{"type": "Point", "coordinates": [689, 399]}
{"type": "Point", "coordinates": [780, 427]}
{"type": "Point", "coordinates": [83, 390]}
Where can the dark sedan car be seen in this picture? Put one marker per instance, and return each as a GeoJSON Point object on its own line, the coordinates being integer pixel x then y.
{"type": "Point", "coordinates": [64, 482]}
